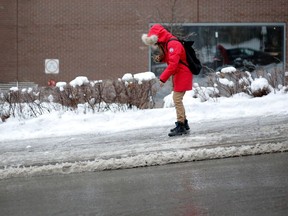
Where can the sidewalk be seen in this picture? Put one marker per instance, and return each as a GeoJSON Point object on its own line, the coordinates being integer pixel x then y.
{"type": "Point", "coordinates": [152, 146]}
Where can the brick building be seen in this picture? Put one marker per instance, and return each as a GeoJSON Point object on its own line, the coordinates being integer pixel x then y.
{"type": "Point", "coordinates": [102, 39]}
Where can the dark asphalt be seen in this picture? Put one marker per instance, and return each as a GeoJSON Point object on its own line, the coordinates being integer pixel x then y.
{"type": "Point", "coordinates": [252, 185]}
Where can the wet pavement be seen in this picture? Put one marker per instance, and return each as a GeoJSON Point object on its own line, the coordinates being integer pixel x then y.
{"type": "Point", "coordinates": [251, 185]}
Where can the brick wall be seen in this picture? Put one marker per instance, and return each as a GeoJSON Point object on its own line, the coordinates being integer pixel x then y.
{"type": "Point", "coordinates": [102, 39]}
{"type": "Point", "coordinates": [8, 45]}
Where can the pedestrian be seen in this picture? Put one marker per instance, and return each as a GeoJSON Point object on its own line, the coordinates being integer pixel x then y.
{"type": "Point", "coordinates": [172, 53]}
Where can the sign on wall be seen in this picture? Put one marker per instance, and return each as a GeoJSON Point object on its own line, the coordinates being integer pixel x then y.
{"type": "Point", "coordinates": [51, 66]}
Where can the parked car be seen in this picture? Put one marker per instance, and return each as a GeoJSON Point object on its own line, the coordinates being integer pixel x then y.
{"type": "Point", "coordinates": [243, 57]}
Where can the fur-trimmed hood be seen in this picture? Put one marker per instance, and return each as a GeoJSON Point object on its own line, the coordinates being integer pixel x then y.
{"type": "Point", "coordinates": [174, 53]}
{"type": "Point", "coordinates": [156, 34]}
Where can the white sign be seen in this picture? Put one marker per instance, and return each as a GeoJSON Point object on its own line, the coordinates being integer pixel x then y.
{"type": "Point", "coordinates": [51, 66]}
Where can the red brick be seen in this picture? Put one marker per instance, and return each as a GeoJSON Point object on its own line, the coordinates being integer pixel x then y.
{"type": "Point", "coordinates": [102, 39]}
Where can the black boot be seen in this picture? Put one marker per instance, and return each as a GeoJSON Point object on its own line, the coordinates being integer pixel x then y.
{"type": "Point", "coordinates": [179, 130]}
{"type": "Point", "coordinates": [186, 125]}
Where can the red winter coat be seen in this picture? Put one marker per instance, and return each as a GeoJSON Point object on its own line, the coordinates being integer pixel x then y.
{"type": "Point", "coordinates": [174, 51]}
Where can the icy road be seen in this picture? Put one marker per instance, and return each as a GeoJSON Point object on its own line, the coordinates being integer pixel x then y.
{"type": "Point", "coordinates": [241, 186]}
{"type": "Point", "coordinates": [152, 146]}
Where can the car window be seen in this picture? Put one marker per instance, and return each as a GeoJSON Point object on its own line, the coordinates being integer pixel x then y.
{"type": "Point", "coordinates": [249, 52]}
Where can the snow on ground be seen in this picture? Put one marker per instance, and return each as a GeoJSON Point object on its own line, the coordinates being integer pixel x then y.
{"type": "Point", "coordinates": [68, 123]}
{"type": "Point", "coordinates": [71, 123]}
{"type": "Point", "coordinates": [59, 123]}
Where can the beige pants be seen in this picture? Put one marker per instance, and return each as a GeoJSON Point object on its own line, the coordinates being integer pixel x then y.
{"type": "Point", "coordinates": [180, 110]}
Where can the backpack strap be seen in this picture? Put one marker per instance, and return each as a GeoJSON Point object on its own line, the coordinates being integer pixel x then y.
{"type": "Point", "coordinates": [176, 39]}
{"type": "Point", "coordinates": [171, 39]}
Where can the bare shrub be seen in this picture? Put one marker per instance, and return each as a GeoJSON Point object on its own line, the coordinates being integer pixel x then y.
{"type": "Point", "coordinates": [232, 83]}
{"type": "Point", "coordinates": [67, 96]}
{"type": "Point", "coordinates": [237, 81]}
{"type": "Point", "coordinates": [95, 96]}
{"type": "Point", "coordinates": [22, 104]}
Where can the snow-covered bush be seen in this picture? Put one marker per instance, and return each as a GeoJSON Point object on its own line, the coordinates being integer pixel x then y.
{"type": "Point", "coordinates": [24, 103]}
{"type": "Point", "coordinates": [260, 87]}
{"type": "Point", "coordinates": [230, 81]}
{"type": "Point", "coordinates": [204, 93]}
{"type": "Point", "coordinates": [131, 91]}
{"type": "Point", "coordinates": [102, 95]}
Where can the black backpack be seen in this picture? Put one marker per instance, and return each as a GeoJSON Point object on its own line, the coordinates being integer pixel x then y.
{"type": "Point", "coordinates": [194, 64]}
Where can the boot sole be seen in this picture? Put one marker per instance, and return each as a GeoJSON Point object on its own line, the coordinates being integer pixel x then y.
{"type": "Point", "coordinates": [172, 135]}
{"type": "Point", "coordinates": [185, 128]}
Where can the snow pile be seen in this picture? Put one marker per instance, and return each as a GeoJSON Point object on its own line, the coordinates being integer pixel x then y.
{"type": "Point", "coordinates": [198, 93]}
{"type": "Point", "coordinates": [139, 77]}
{"type": "Point", "coordinates": [226, 82]}
{"type": "Point", "coordinates": [14, 89]}
{"type": "Point", "coordinates": [29, 90]}
{"type": "Point", "coordinates": [142, 160]}
{"type": "Point", "coordinates": [260, 84]}
{"type": "Point", "coordinates": [61, 85]}
{"type": "Point", "coordinates": [127, 77]}
{"type": "Point", "coordinates": [229, 69]}
{"type": "Point", "coordinates": [66, 123]}
{"type": "Point", "coordinates": [168, 100]}
{"type": "Point", "coordinates": [146, 76]}
{"type": "Point", "coordinates": [79, 81]}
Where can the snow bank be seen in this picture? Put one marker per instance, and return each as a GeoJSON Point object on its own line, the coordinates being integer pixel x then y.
{"type": "Point", "coordinates": [142, 160]}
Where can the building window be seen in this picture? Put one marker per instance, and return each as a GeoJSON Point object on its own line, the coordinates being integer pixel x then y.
{"type": "Point", "coordinates": [246, 46]}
